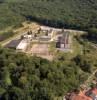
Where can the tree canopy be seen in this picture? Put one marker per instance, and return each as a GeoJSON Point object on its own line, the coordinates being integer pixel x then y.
{"type": "Point", "coordinates": [33, 78]}
{"type": "Point", "coordinates": [78, 14]}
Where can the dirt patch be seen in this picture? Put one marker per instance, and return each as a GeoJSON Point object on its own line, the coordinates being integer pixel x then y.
{"type": "Point", "coordinates": [41, 50]}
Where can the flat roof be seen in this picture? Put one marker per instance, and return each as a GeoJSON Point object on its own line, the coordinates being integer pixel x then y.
{"type": "Point", "coordinates": [50, 28]}
{"type": "Point", "coordinates": [22, 45]}
{"type": "Point", "coordinates": [13, 44]}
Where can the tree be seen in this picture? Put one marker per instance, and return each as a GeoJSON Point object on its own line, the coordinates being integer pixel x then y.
{"type": "Point", "coordinates": [92, 33]}
{"type": "Point", "coordinates": [16, 93]}
{"type": "Point", "coordinates": [84, 63]}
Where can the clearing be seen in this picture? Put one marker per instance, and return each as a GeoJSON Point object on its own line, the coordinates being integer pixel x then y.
{"type": "Point", "coordinates": [41, 50]}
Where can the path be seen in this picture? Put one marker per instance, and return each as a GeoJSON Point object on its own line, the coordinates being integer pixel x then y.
{"type": "Point", "coordinates": [86, 83]}
{"type": "Point", "coordinates": [16, 36]}
{"type": "Point", "coordinates": [20, 31]}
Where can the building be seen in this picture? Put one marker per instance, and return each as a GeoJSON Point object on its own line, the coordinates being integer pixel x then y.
{"type": "Point", "coordinates": [22, 46]}
{"type": "Point", "coordinates": [13, 44]}
{"type": "Point", "coordinates": [45, 35]}
{"type": "Point", "coordinates": [64, 42]}
{"type": "Point", "coordinates": [50, 28]}
{"type": "Point", "coordinates": [80, 96]}
{"type": "Point", "coordinates": [83, 95]}
{"type": "Point", "coordinates": [27, 36]}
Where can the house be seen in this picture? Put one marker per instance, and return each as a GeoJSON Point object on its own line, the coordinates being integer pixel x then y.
{"type": "Point", "coordinates": [84, 95]}
{"type": "Point", "coordinates": [92, 93]}
{"type": "Point", "coordinates": [80, 96]}
{"type": "Point", "coordinates": [22, 46]}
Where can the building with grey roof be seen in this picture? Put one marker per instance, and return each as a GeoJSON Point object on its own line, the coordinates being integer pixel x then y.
{"type": "Point", "coordinates": [64, 42]}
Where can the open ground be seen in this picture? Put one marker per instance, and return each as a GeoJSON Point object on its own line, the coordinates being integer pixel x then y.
{"type": "Point", "coordinates": [41, 50]}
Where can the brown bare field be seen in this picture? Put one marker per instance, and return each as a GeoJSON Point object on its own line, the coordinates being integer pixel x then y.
{"type": "Point", "coordinates": [41, 50]}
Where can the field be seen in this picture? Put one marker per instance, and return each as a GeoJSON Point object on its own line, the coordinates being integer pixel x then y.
{"type": "Point", "coordinates": [41, 50]}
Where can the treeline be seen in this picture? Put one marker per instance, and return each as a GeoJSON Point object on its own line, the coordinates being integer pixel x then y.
{"type": "Point", "coordinates": [6, 35]}
{"type": "Point", "coordinates": [33, 78]}
{"type": "Point", "coordinates": [90, 36]}
{"type": "Point", "coordinates": [75, 14]}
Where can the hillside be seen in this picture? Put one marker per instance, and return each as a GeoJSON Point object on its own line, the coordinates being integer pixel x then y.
{"type": "Point", "coordinates": [24, 77]}
{"type": "Point", "coordinates": [78, 14]}
{"type": "Point", "coordinates": [27, 77]}
{"type": "Point", "coordinates": [33, 78]}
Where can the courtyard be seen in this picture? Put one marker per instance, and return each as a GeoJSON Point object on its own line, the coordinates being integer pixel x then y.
{"type": "Point", "coordinates": [41, 50]}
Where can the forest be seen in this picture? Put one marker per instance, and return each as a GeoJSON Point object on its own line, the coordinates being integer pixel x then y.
{"type": "Point", "coordinates": [75, 14]}
{"type": "Point", "coordinates": [24, 77]}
